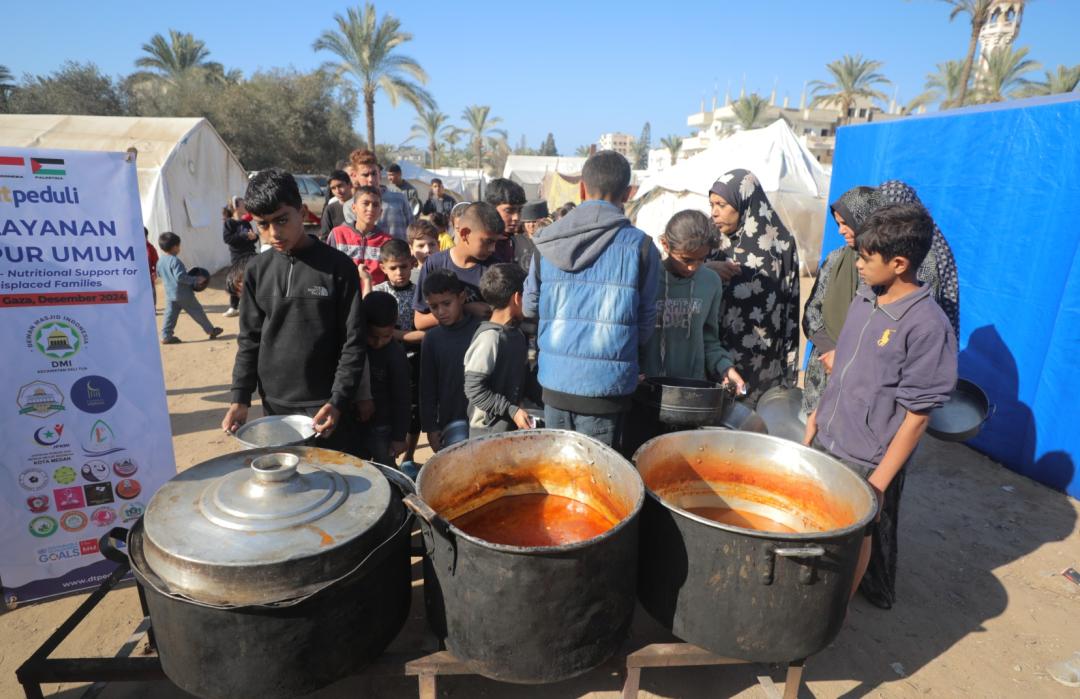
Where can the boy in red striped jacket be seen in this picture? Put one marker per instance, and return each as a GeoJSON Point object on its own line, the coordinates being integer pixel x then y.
{"type": "Point", "coordinates": [363, 241]}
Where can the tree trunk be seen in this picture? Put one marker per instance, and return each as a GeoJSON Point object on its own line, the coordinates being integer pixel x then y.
{"type": "Point", "coordinates": [369, 113]}
{"type": "Point", "coordinates": [965, 76]}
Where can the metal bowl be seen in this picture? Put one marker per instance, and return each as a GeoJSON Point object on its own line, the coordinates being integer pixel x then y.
{"type": "Point", "coordinates": [275, 431]}
{"type": "Point", "coordinates": [963, 416]}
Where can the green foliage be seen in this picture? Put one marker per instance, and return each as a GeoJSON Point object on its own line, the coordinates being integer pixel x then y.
{"type": "Point", "coordinates": [1004, 78]}
{"type": "Point", "coordinates": [641, 148]}
{"type": "Point", "coordinates": [76, 88]}
{"type": "Point", "coordinates": [366, 51]}
{"type": "Point", "coordinates": [431, 124]}
{"type": "Point", "coordinates": [945, 85]}
{"type": "Point", "coordinates": [480, 125]}
{"type": "Point", "coordinates": [979, 13]}
{"type": "Point", "coordinates": [1064, 80]}
{"type": "Point", "coordinates": [583, 151]}
{"type": "Point", "coordinates": [179, 59]}
{"type": "Point", "coordinates": [673, 143]}
{"type": "Point", "coordinates": [853, 77]}
{"type": "Point", "coordinates": [750, 111]}
{"type": "Point", "coordinates": [549, 146]}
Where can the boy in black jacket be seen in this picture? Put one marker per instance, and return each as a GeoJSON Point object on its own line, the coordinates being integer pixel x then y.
{"type": "Point", "coordinates": [301, 338]}
{"type": "Point", "coordinates": [496, 364]}
{"type": "Point", "coordinates": [390, 378]}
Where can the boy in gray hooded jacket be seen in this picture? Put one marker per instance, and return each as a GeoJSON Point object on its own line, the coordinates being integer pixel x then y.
{"type": "Point", "coordinates": [895, 362]}
{"type": "Point", "coordinates": [593, 289]}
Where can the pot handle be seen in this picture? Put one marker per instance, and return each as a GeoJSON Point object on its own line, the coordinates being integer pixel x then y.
{"type": "Point", "coordinates": [434, 522]}
{"type": "Point", "coordinates": [805, 552]}
{"type": "Point", "coordinates": [110, 550]}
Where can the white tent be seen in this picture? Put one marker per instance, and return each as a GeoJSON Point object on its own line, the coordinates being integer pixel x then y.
{"type": "Point", "coordinates": [794, 181]}
{"type": "Point", "coordinates": [186, 172]}
{"type": "Point", "coordinates": [529, 170]}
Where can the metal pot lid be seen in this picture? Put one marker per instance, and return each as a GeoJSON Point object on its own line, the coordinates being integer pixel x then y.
{"type": "Point", "coordinates": [266, 524]}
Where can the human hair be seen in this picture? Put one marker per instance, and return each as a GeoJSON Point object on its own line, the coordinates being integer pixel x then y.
{"type": "Point", "coordinates": [380, 309]}
{"type": "Point", "coordinates": [504, 191]}
{"type": "Point", "coordinates": [898, 230]}
{"type": "Point", "coordinates": [689, 230]}
{"type": "Point", "coordinates": [458, 211]}
{"type": "Point", "coordinates": [339, 176]}
{"type": "Point", "coordinates": [500, 282]}
{"type": "Point", "coordinates": [366, 189]}
{"type": "Point", "coordinates": [168, 241]}
{"type": "Point", "coordinates": [421, 228]}
{"type": "Point", "coordinates": [435, 179]}
{"type": "Point", "coordinates": [606, 175]}
{"type": "Point", "coordinates": [395, 249]}
{"type": "Point", "coordinates": [269, 190]}
{"type": "Point", "coordinates": [482, 216]}
{"type": "Point", "coordinates": [394, 168]}
{"type": "Point", "coordinates": [442, 281]}
{"type": "Point", "coordinates": [439, 221]}
{"type": "Point", "coordinates": [564, 210]}
{"type": "Point", "coordinates": [227, 211]}
{"type": "Point", "coordinates": [363, 156]}
{"type": "Point", "coordinates": [234, 278]}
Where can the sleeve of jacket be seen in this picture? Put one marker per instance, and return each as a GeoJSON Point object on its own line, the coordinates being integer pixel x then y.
{"type": "Point", "coordinates": [401, 396]}
{"type": "Point", "coordinates": [813, 322]}
{"type": "Point", "coordinates": [531, 297]}
{"type": "Point", "coordinates": [350, 327]}
{"type": "Point", "coordinates": [650, 279]}
{"type": "Point", "coordinates": [231, 232]}
{"type": "Point", "coordinates": [429, 384]}
{"type": "Point", "coordinates": [790, 287]}
{"type": "Point", "coordinates": [929, 373]}
{"type": "Point", "coordinates": [480, 360]}
{"type": "Point", "coordinates": [180, 271]}
{"type": "Point", "coordinates": [325, 224]}
{"type": "Point", "coordinates": [248, 338]}
{"type": "Point", "coordinates": [717, 356]}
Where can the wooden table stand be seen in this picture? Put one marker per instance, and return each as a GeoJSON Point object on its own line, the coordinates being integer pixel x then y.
{"type": "Point", "coordinates": [689, 655]}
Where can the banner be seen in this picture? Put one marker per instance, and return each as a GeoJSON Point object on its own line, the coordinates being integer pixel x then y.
{"type": "Point", "coordinates": [85, 424]}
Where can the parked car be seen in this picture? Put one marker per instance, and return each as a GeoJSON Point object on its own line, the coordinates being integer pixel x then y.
{"type": "Point", "coordinates": [314, 197]}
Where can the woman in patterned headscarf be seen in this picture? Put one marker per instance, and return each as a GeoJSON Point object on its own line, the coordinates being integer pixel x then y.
{"type": "Point", "coordinates": [834, 288]}
{"type": "Point", "coordinates": [759, 263]}
{"type": "Point", "coordinates": [939, 268]}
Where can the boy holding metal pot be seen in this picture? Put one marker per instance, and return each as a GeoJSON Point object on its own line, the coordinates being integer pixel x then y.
{"type": "Point", "coordinates": [895, 362]}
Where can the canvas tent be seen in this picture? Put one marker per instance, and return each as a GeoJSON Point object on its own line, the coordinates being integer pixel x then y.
{"type": "Point", "coordinates": [186, 172]}
{"type": "Point", "coordinates": [529, 170]}
{"type": "Point", "coordinates": [793, 179]}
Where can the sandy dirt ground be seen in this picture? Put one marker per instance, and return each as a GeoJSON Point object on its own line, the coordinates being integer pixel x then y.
{"type": "Point", "coordinates": [982, 609]}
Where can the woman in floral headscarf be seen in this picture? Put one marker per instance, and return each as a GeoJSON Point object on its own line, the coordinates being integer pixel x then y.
{"type": "Point", "coordinates": [939, 268]}
{"type": "Point", "coordinates": [759, 263]}
{"type": "Point", "coordinates": [833, 291]}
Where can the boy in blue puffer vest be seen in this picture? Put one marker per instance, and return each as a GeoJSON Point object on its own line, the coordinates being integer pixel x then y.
{"type": "Point", "coordinates": [593, 289]}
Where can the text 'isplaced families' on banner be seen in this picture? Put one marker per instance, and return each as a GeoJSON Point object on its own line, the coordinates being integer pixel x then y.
{"type": "Point", "coordinates": [83, 413]}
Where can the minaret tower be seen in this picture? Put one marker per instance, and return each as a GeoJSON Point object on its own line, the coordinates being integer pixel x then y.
{"type": "Point", "coordinates": [1001, 29]}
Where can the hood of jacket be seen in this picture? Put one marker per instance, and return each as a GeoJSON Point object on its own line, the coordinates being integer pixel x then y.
{"type": "Point", "coordinates": [575, 241]}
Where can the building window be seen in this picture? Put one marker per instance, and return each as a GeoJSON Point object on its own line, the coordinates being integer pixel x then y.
{"type": "Point", "coordinates": [851, 112]}
{"type": "Point", "coordinates": [807, 132]}
{"type": "Point", "coordinates": [862, 113]}
{"type": "Point", "coordinates": [824, 133]}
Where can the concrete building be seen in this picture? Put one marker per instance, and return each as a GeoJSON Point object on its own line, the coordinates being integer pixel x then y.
{"type": "Point", "coordinates": [816, 126]}
{"type": "Point", "coordinates": [1000, 30]}
{"type": "Point", "coordinates": [621, 143]}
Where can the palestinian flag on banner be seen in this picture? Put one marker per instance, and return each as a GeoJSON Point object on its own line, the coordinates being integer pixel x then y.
{"type": "Point", "coordinates": [47, 166]}
{"type": "Point", "coordinates": [11, 165]}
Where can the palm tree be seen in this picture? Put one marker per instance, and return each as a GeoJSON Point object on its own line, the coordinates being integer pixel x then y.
{"type": "Point", "coordinates": [452, 135]}
{"type": "Point", "coordinates": [366, 49]}
{"type": "Point", "coordinates": [1064, 80]}
{"type": "Point", "coordinates": [432, 125]}
{"type": "Point", "coordinates": [944, 85]}
{"type": "Point", "coordinates": [1004, 78]}
{"type": "Point", "coordinates": [673, 144]}
{"type": "Point", "coordinates": [853, 77]}
{"type": "Point", "coordinates": [174, 60]}
{"type": "Point", "coordinates": [583, 151]}
{"type": "Point", "coordinates": [479, 124]}
{"type": "Point", "coordinates": [979, 12]}
{"type": "Point", "coordinates": [749, 111]}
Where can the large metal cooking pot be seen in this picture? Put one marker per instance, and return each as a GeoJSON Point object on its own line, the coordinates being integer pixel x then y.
{"type": "Point", "coordinates": [273, 572]}
{"type": "Point", "coordinates": [684, 402]}
{"type": "Point", "coordinates": [529, 614]}
{"type": "Point", "coordinates": [743, 593]}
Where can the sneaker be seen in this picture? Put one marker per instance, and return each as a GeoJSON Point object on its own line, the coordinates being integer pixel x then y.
{"type": "Point", "coordinates": [215, 332]}
{"type": "Point", "coordinates": [231, 313]}
{"type": "Point", "coordinates": [170, 340]}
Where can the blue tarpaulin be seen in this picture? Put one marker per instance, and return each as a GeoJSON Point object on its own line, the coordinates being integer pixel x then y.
{"type": "Point", "coordinates": [1003, 185]}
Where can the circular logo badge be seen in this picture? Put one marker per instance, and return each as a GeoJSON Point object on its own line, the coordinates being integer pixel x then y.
{"type": "Point", "coordinates": [95, 471]}
{"type": "Point", "coordinates": [125, 468]}
{"type": "Point", "coordinates": [38, 503]}
{"type": "Point", "coordinates": [64, 475]}
{"type": "Point", "coordinates": [57, 338]}
{"type": "Point", "coordinates": [128, 488]}
{"type": "Point", "coordinates": [132, 511]}
{"type": "Point", "coordinates": [33, 479]}
{"type": "Point", "coordinates": [103, 516]}
{"type": "Point", "coordinates": [93, 394]}
{"type": "Point", "coordinates": [74, 521]}
{"type": "Point", "coordinates": [42, 527]}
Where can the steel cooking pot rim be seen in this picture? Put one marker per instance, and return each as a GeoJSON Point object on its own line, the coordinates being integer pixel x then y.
{"type": "Point", "coordinates": [859, 524]}
{"type": "Point", "coordinates": [542, 550]}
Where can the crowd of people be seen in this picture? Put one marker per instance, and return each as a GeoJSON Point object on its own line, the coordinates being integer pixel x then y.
{"type": "Point", "coordinates": [456, 319]}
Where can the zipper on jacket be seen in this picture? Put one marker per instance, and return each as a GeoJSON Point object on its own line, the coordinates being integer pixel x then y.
{"type": "Point", "coordinates": [843, 372]}
{"type": "Point", "coordinates": [288, 281]}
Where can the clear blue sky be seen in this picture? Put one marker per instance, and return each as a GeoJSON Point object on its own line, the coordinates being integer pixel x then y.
{"type": "Point", "coordinates": [576, 69]}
